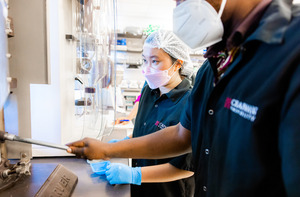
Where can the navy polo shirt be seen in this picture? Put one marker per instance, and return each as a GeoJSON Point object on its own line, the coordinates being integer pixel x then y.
{"type": "Point", "coordinates": [155, 113]}
{"type": "Point", "coordinates": [246, 128]}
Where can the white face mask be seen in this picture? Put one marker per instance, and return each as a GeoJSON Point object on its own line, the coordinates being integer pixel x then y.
{"type": "Point", "coordinates": [157, 78]}
{"type": "Point", "coordinates": [197, 23]}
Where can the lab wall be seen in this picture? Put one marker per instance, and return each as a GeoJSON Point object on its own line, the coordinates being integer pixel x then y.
{"type": "Point", "coordinates": [28, 63]}
{"type": "Point", "coordinates": [144, 13]}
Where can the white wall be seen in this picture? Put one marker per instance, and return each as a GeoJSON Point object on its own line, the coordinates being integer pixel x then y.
{"type": "Point", "coordinates": [45, 99]}
{"type": "Point", "coordinates": [28, 64]}
{"type": "Point", "coordinates": [142, 13]}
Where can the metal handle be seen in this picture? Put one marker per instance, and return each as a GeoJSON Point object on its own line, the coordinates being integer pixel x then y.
{"type": "Point", "coordinates": [11, 137]}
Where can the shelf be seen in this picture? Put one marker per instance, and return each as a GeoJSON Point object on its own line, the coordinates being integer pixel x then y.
{"type": "Point", "coordinates": [131, 89]}
{"type": "Point", "coordinates": [129, 35]}
{"type": "Point", "coordinates": [126, 50]}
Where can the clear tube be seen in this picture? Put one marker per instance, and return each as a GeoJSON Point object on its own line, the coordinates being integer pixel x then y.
{"type": "Point", "coordinates": [95, 33]}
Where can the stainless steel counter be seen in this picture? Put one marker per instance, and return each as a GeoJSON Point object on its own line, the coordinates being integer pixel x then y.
{"type": "Point", "coordinates": [89, 184]}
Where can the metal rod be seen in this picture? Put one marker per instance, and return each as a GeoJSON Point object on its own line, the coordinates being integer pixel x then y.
{"type": "Point", "coordinates": [7, 136]}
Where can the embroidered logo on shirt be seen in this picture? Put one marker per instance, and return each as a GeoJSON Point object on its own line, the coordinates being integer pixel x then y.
{"type": "Point", "coordinates": [160, 125]}
{"type": "Point", "coordinates": [242, 109]}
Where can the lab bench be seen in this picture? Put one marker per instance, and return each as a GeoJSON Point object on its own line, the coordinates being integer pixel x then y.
{"type": "Point", "coordinates": [89, 184]}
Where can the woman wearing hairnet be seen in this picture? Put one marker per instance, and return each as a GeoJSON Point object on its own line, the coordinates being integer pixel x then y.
{"type": "Point", "coordinates": [166, 67]}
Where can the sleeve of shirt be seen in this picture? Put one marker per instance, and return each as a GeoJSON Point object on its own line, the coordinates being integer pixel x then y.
{"type": "Point", "coordinates": [289, 136]}
{"type": "Point", "coordinates": [183, 162]}
{"type": "Point", "coordinates": [185, 119]}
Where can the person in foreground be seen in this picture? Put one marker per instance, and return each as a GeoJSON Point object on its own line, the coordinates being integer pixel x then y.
{"type": "Point", "coordinates": [166, 64]}
{"type": "Point", "coordinates": [241, 121]}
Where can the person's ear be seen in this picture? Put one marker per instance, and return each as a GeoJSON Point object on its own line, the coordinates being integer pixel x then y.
{"type": "Point", "coordinates": [179, 64]}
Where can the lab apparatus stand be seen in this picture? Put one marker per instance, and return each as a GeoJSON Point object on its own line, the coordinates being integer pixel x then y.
{"type": "Point", "coordinates": [93, 39]}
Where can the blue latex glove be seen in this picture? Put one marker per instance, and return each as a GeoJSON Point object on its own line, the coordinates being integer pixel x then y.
{"type": "Point", "coordinates": [118, 140]}
{"type": "Point", "coordinates": [117, 173]}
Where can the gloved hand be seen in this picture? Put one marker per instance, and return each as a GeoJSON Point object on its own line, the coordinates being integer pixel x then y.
{"type": "Point", "coordinates": [117, 173]}
{"type": "Point", "coordinates": [118, 140]}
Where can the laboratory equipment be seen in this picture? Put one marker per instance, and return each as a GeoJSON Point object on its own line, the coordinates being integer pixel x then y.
{"type": "Point", "coordinates": [6, 136]}
{"type": "Point", "coordinates": [66, 91]}
{"type": "Point", "coordinates": [4, 88]}
{"type": "Point", "coordinates": [40, 113]}
{"type": "Point", "coordinates": [94, 64]}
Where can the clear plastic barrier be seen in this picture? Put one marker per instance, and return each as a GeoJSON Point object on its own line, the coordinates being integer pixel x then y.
{"type": "Point", "coordinates": [94, 80]}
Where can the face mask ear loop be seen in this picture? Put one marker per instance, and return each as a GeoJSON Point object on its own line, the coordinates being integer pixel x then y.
{"type": "Point", "coordinates": [222, 8]}
{"type": "Point", "coordinates": [171, 67]}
